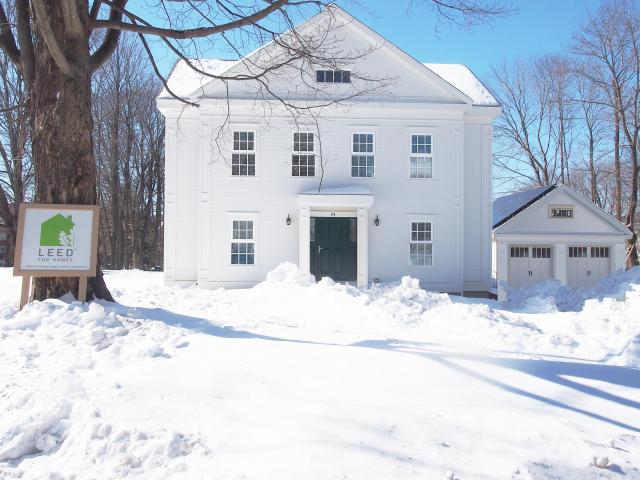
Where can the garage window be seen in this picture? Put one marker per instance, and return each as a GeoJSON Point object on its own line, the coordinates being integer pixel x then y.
{"type": "Point", "coordinates": [541, 252]}
{"type": "Point", "coordinates": [519, 252]}
{"type": "Point", "coordinates": [599, 252]}
{"type": "Point", "coordinates": [577, 252]}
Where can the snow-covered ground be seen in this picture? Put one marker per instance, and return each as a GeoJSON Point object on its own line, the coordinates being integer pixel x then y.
{"type": "Point", "coordinates": [325, 381]}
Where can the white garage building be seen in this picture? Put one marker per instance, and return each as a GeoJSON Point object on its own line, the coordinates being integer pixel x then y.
{"type": "Point", "coordinates": [554, 232]}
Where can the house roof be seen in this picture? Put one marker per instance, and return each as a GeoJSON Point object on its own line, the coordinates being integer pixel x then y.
{"type": "Point", "coordinates": [508, 206]}
{"type": "Point", "coordinates": [457, 78]}
{"type": "Point", "coordinates": [461, 77]}
{"type": "Point", "coordinates": [184, 80]}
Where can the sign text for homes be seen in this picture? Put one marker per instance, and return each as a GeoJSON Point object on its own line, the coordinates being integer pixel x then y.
{"type": "Point", "coordinates": [56, 240]}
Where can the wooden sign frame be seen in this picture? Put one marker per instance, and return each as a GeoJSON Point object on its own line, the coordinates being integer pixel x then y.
{"type": "Point", "coordinates": [82, 274]}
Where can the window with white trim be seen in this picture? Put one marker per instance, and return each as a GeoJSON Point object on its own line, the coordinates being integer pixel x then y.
{"type": "Point", "coordinates": [303, 160]}
{"type": "Point", "coordinates": [599, 252]}
{"type": "Point", "coordinates": [333, 76]}
{"type": "Point", "coordinates": [421, 158]}
{"type": "Point", "coordinates": [519, 252]}
{"type": "Point", "coordinates": [421, 243]}
{"type": "Point", "coordinates": [541, 252]}
{"type": "Point", "coordinates": [243, 247]}
{"type": "Point", "coordinates": [560, 211]}
{"type": "Point", "coordinates": [243, 157]}
{"type": "Point", "coordinates": [362, 154]}
{"type": "Point", "coordinates": [577, 252]}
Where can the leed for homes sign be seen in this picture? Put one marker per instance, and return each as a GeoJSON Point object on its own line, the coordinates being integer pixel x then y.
{"type": "Point", "coordinates": [56, 240]}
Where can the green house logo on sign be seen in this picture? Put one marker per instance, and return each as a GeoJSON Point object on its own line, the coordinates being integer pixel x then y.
{"type": "Point", "coordinates": [57, 231]}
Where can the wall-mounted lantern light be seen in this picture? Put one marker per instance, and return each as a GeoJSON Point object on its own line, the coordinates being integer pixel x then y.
{"type": "Point", "coordinates": [377, 221]}
{"type": "Point", "coordinates": [288, 219]}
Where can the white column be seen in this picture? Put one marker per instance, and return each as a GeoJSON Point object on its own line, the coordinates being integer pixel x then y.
{"type": "Point", "coordinates": [204, 210]}
{"type": "Point", "coordinates": [170, 202]}
{"type": "Point", "coordinates": [304, 262]}
{"type": "Point", "coordinates": [502, 265]}
{"type": "Point", "coordinates": [560, 263]}
{"type": "Point", "coordinates": [458, 202]}
{"type": "Point", "coordinates": [487, 156]}
{"type": "Point", "coordinates": [363, 248]}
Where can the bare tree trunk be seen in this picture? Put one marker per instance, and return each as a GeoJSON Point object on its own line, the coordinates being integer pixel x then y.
{"type": "Point", "coordinates": [632, 257]}
{"type": "Point", "coordinates": [617, 194]}
{"type": "Point", "coordinates": [61, 126]}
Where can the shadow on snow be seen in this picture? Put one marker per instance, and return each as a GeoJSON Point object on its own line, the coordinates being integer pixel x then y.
{"type": "Point", "coordinates": [554, 371]}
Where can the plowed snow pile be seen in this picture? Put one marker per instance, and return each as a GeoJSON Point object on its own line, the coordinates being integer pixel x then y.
{"type": "Point", "coordinates": [293, 379]}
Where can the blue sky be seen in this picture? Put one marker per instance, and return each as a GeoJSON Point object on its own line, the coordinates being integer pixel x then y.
{"type": "Point", "coordinates": [538, 26]}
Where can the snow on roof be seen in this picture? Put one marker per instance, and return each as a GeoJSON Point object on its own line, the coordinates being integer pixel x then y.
{"type": "Point", "coordinates": [348, 190]}
{"type": "Point", "coordinates": [509, 205]}
{"type": "Point", "coordinates": [184, 80]}
{"type": "Point", "coordinates": [461, 77]}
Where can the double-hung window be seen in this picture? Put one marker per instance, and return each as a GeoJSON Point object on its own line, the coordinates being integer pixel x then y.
{"type": "Point", "coordinates": [243, 246]}
{"type": "Point", "coordinates": [303, 160]}
{"type": "Point", "coordinates": [421, 243]}
{"type": "Point", "coordinates": [362, 154]}
{"type": "Point", "coordinates": [243, 157]}
{"type": "Point", "coordinates": [421, 158]}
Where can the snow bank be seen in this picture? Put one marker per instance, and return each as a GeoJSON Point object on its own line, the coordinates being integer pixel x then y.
{"type": "Point", "coordinates": [53, 358]}
{"type": "Point", "coordinates": [84, 387]}
{"type": "Point", "coordinates": [288, 273]}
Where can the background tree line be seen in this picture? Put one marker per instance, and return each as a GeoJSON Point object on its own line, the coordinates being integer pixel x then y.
{"type": "Point", "coordinates": [574, 117]}
{"type": "Point", "coordinates": [128, 139]}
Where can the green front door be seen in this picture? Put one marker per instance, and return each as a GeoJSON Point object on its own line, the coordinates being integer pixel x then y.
{"type": "Point", "coordinates": [334, 248]}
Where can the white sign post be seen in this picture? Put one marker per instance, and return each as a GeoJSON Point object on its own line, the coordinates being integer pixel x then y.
{"type": "Point", "coordinates": [56, 241]}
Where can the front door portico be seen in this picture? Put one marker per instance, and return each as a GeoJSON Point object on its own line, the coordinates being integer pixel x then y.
{"type": "Point", "coordinates": [346, 206]}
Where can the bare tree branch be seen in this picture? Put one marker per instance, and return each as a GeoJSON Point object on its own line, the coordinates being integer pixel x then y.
{"type": "Point", "coordinates": [111, 38]}
{"type": "Point", "coordinates": [7, 40]}
{"type": "Point", "coordinates": [191, 32]}
{"type": "Point", "coordinates": [55, 49]}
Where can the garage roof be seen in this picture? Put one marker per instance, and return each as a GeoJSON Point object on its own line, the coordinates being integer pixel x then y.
{"type": "Point", "coordinates": [510, 205]}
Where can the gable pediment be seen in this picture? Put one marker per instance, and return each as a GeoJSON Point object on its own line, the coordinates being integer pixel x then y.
{"type": "Point", "coordinates": [585, 218]}
{"type": "Point", "coordinates": [379, 69]}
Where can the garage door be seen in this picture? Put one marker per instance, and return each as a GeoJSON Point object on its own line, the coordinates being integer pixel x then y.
{"type": "Point", "coordinates": [587, 265]}
{"type": "Point", "coordinates": [529, 265]}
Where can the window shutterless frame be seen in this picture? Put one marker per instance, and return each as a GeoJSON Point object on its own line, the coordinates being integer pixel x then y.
{"type": "Point", "coordinates": [420, 241]}
{"type": "Point", "coordinates": [233, 219]}
{"type": "Point", "coordinates": [421, 140]}
{"type": "Point", "coordinates": [244, 148]}
{"type": "Point", "coordinates": [564, 212]}
{"type": "Point", "coordinates": [296, 150]}
{"type": "Point", "coordinates": [359, 141]}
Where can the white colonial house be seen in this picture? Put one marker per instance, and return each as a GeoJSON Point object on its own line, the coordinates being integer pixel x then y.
{"type": "Point", "coordinates": [554, 233]}
{"type": "Point", "coordinates": [389, 183]}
